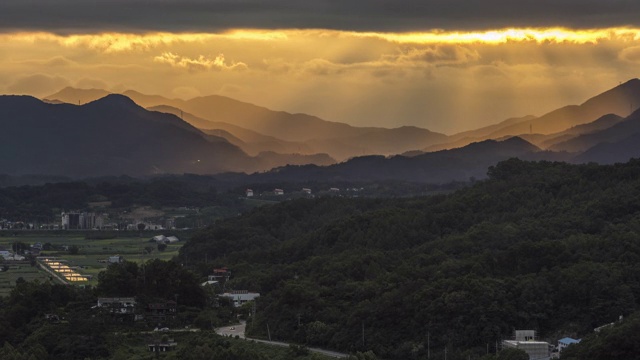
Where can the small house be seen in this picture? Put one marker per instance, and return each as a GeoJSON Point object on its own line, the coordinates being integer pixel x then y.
{"type": "Point", "coordinates": [565, 342]}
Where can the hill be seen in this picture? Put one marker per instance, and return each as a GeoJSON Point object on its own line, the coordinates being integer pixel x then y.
{"type": "Point", "coordinates": [308, 133]}
{"type": "Point", "coordinates": [620, 100]}
{"type": "Point", "coordinates": [110, 136]}
{"type": "Point", "coordinates": [620, 131]}
{"type": "Point", "coordinates": [460, 164]}
{"type": "Point", "coordinates": [544, 246]}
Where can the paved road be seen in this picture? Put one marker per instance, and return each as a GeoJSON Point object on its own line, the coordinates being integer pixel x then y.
{"type": "Point", "coordinates": [238, 330]}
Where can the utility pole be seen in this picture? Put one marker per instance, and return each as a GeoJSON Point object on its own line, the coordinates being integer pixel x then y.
{"type": "Point", "coordinates": [268, 332]}
{"type": "Point", "coordinates": [363, 334]}
{"type": "Point", "coordinates": [428, 345]}
{"type": "Point", "coordinates": [445, 352]}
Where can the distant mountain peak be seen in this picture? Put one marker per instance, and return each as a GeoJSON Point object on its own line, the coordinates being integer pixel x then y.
{"type": "Point", "coordinates": [113, 100]}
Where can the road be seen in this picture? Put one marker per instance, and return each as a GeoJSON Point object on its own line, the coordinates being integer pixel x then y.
{"type": "Point", "coordinates": [238, 330]}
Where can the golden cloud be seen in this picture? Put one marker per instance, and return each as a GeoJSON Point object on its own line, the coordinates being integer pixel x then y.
{"type": "Point", "coordinates": [123, 42]}
{"type": "Point", "coordinates": [201, 63]}
{"type": "Point", "coordinates": [631, 54]}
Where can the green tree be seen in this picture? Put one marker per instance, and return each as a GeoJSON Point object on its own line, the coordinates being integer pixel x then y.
{"type": "Point", "coordinates": [512, 354]}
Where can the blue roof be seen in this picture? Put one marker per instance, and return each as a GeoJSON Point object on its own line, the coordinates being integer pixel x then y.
{"type": "Point", "coordinates": [569, 340]}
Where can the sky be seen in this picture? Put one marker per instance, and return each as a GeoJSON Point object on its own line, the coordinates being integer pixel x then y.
{"type": "Point", "coordinates": [444, 65]}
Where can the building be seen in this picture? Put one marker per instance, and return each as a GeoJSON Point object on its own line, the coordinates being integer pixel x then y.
{"type": "Point", "coordinates": [306, 191]}
{"type": "Point", "coordinates": [220, 274]}
{"type": "Point", "coordinates": [240, 297]}
{"type": "Point", "coordinates": [162, 311]}
{"type": "Point", "coordinates": [249, 192]}
{"type": "Point", "coordinates": [525, 340]}
{"type": "Point", "coordinates": [563, 343]}
{"type": "Point", "coordinates": [278, 192]}
{"type": "Point", "coordinates": [82, 220]}
{"type": "Point", "coordinates": [125, 305]}
{"type": "Point", "coordinates": [117, 259]}
{"type": "Point", "coordinates": [162, 346]}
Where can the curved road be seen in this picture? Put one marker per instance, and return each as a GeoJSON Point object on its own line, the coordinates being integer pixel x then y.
{"type": "Point", "coordinates": [238, 330]}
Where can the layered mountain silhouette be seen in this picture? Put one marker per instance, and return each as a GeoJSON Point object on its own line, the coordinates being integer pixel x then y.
{"type": "Point", "coordinates": [73, 135]}
{"type": "Point", "coordinates": [114, 135]}
{"type": "Point", "coordinates": [459, 164]}
{"type": "Point", "coordinates": [286, 132]}
{"type": "Point", "coordinates": [622, 100]}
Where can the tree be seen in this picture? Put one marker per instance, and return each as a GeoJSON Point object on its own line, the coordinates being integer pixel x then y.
{"type": "Point", "coordinates": [162, 247]}
{"type": "Point", "coordinates": [74, 250]}
{"type": "Point", "coordinates": [512, 354]}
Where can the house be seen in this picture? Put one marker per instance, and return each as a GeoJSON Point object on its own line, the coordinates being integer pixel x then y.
{"type": "Point", "coordinates": [240, 297]}
{"type": "Point", "coordinates": [220, 274]}
{"type": "Point", "coordinates": [160, 239]}
{"type": "Point", "coordinates": [162, 346]}
{"type": "Point", "coordinates": [563, 343]}
{"type": "Point", "coordinates": [525, 340]}
{"type": "Point", "coordinates": [124, 305]}
{"type": "Point", "coordinates": [249, 193]}
{"type": "Point", "coordinates": [161, 311]}
{"type": "Point", "coordinates": [306, 191]}
{"type": "Point", "coordinates": [172, 239]}
{"type": "Point", "coordinates": [117, 259]}
{"type": "Point", "coordinates": [278, 192]}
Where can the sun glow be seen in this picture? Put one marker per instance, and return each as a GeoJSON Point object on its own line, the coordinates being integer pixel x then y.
{"type": "Point", "coordinates": [121, 42]}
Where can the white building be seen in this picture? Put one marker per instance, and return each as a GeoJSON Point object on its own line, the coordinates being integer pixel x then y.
{"type": "Point", "coordinates": [525, 340]}
{"type": "Point", "coordinates": [249, 192]}
{"type": "Point", "coordinates": [240, 297]}
{"type": "Point", "coordinates": [278, 192]}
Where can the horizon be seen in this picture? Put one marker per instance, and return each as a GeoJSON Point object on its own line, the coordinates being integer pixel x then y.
{"type": "Point", "coordinates": [431, 64]}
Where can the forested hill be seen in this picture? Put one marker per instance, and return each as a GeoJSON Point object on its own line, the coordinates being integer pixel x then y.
{"type": "Point", "coordinates": [539, 245]}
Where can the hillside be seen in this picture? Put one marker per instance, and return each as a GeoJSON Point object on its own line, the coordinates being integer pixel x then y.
{"type": "Point", "coordinates": [620, 100]}
{"type": "Point", "coordinates": [544, 246]}
{"type": "Point", "coordinates": [444, 166]}
{"type": "Point", "coordinates": [286, 132]}
{"type": "Point", "coordinates": [110, 136]}
{"type": "Point", "coordinates": [620, 131]}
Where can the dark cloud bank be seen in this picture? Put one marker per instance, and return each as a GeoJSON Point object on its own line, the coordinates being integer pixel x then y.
{"type": "Point", "coordinates": [66, 16]}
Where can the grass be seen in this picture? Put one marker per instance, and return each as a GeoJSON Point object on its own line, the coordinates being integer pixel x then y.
{"type": "Point", "coordinates": [21, 270]}
{"type": "Point", "coordinates": [91, 257]}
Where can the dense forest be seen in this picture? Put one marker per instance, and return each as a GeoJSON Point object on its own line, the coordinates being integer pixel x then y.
{"type": "Point", "coordinates": [539, 245]}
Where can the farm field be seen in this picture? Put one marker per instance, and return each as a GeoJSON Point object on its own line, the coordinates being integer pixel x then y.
{"type": "Point", "coordinates": [91, 257]}
{"type": "Point", "coordinates": [23, 270]}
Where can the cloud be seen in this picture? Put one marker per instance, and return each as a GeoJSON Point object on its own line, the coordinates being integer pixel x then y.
{"type": "Point", "coordinates": [631, 54]}
{"type": "Point", "coordinates": [38, 84]}
{"type": "Point", "coordinates": [200, 63]}
{"type": "Point", "coordinates": [68, 16]}
{"type": "Point", "coordinates": [441, 55]}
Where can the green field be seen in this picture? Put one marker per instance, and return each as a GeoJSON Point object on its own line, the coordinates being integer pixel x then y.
{"type": "Point", "coordinates": [91, 257]}
{"type": "Point", "coordinates": [22, 270]}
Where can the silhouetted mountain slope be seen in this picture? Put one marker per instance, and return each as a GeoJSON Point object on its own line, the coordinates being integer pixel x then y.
{"type": "Point", "coordinates": [112, 135]}
{"type": "Point", "coordinates": [619, 100]}
{"type": "Point", "coordinates": [484, 131]}
{"type": "Point", "coordinates": [614, 133]}
{"type": "Point", "coordinates": [602, 123]}
{"type": "Point", "coordinates": [339, 140]}
{"type": "Point", "coordinates": [609, 153]}
{"type": "Point", "coordinates": [438, 167]}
